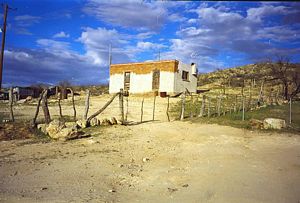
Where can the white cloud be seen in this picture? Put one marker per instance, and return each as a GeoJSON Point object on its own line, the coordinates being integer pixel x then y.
{"type": "Point", "coordinates": [132, 14]}
{"type": "Point", "coordinates": [27, 20]}
{"type": "Point", "coordinates": [61, 35]}
{"type": "Point", "coordinates": [149, 45]}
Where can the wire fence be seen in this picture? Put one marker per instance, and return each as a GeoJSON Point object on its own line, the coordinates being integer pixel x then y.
{"type": "Point", "coordinates": [138, 109]}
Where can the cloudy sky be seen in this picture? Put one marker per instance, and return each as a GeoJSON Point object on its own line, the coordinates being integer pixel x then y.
{"type": "Point", "coordinates": [53, 40]}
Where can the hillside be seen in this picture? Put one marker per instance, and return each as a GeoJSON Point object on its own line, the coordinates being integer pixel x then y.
{"type": "Point", "coordinates": [284, 77]}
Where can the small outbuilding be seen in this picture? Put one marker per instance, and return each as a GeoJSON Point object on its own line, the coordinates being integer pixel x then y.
{"type": "Point", "coordinates": [168, 76]}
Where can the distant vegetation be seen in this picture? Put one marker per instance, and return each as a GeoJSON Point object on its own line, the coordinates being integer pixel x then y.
{"type": "Point", "coordinates": [280, 74]}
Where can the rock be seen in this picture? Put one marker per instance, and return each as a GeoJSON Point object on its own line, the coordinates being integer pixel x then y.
{"type": "Point", "coordinates": [29, 98]}
{"type": "Point", "coordinates": [256, 124]}
{"type": "Point", "coordinates": [71, 125]}
{"type": "Point", "coordinates": [274, 123]}
{"type": "Point", "coordinates": [119, 122]}
{"type": "Point", "coordinates": [105, 122]}
{"type": "Point", "coordinates": [64, 133]}
{"type": "Point", "coordinates": [94, 122]}
{"type": "Point", "coordinates": [42, 127]}
{"type": "Point", "coordinates": [111, 190]}
{"type": "Point", "coordinates": [146, 159]}
{"type": "Point", "coordinates": [21, 101]}
{"type": "Point", "coordinates": [113, 121]}
{"type": "Point", "coordinates": [54, 127]}
{"type": "Point", "coordinates": [82, 124]}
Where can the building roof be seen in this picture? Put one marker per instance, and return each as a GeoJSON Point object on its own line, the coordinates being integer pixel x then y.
{"type": "Point", "coordinates": [144, 67]}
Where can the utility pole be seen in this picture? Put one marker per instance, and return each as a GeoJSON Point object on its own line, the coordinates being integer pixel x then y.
{"type": "Point", "coordinates": [3, 42]}
{"type": "Point", "coordinates": [109, 55]}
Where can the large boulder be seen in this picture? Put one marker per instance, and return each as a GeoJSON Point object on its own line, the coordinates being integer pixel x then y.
{"type": "Point", "coordinates": [274, 123]}
{"type": "Point", "coordinates": [54, 127]}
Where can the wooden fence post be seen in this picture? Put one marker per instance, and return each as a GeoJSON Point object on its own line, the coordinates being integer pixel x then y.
{"type": "Point", "coordinates": [45, 107]}
{"type": "Point", "coordinates": [121, 105]}
{"type": "Point", "coordinates": [202, 107]}
{"type": "Point", "coordinates": [59, 105]}
{"type": "Point", "coordinates": [37, 109]}
{"type": "Point", "coordinates": [219, 105]}
{"type": "Point", "coordinates": [126, 115]}
{"type": "Point", "coordinates": [235, 104]}
{"type": "Point", "coordinates": [168, 108]}
{"type": "Point", "coordinates": [192, 106]}
{"type": "Point", "coordinates": [103, 108]}
{"type": "Point", "coordinates": [11, 100]}
{"type": "Point", "coordinates": [142, 110]}
{"type": "Point", "coordinates": [153, 112]}
{"type": "Point", "coordinates": [290, 110]}
{"type": "Point", "coordinates": [73, 103]}
{"type": "Point", "coordinates": [87, 104]}
{"type": "Point", "coordinates": [208, 107]}
{"type": "Point", "coordinates": [243, 104]}
{"type": "Point", "coordinates": [182, 105]}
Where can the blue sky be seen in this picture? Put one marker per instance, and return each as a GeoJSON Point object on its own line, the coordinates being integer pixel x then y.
{"type": "Point", "coordinates": [53, 40]}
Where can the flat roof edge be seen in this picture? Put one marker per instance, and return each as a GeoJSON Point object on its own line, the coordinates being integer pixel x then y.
{"type": "Point", "coordinates": [162, 61]}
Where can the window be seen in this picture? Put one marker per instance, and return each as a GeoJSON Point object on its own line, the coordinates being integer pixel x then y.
{"type": "Point", "coordinates": [185, 75]}
{"type": "Point", "coordinates": [126, 81]}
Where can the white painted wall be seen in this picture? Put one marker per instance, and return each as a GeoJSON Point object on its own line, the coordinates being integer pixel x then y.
{"type": "Point", "coordinates": [169, 82]}
{"type": "Point", "coordinates": [166, 82]}
{"type": "Point", "coordinates": [116, 82]}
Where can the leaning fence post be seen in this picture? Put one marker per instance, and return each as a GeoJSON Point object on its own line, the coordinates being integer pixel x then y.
{"type": "Point", "coordinates": [142, 110]}
{"type": "Point", "coordinates": [182, 105]}
{"type": "Point", "coordinates": [202, 107]}
{"type": "Point", "coordinates": [87, 104]}
{"type": "Point", "coordinates": [153, 112]}
{"type": "Point", "coordinates": [45, 107]}
{"type": "Point", "coordinates": [168, 108]}
{"type": "Point", "coordinates": [121, 105]}
{"type": "Point", "coordinates": [12, 118]}
{"type": "Point", "coordinates": [243, 104]}
{"type": "Point", "coordinates": [37, 109]}
{"type": "Point", "coordinates": [290, 110]}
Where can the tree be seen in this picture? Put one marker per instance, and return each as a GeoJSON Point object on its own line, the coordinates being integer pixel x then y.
{"type": "Point", "coordinates": [64, 85]}
{"type": "Point", "coordinates": [284, 72]}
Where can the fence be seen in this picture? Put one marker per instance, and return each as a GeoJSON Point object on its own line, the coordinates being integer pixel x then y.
{"type": "Point", "coordinates": [128, 109]}
{"type": "Point", "coordinates": [137, 109]}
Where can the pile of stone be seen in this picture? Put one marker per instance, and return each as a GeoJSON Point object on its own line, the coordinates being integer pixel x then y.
{"type": "Point", "coordinates": [97, 122]}
{"type": "Point", "coordinates": [60, 130]}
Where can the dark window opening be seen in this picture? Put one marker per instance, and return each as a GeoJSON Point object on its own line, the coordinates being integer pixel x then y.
{"type": "Point", "coordinates": [126, 81]}
{"type": "Point", "coordinates": [185, 75]}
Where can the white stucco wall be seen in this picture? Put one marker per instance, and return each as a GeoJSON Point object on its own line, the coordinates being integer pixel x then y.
{"type": "Point", "coordinates": [170, 82]}
{"type": "Point", "coordinates": [116, 82]}
{"type": "Point", "coordinates": [142, 83]}
{"type": "Point", "coordinates": [166, 82]}
{"type": "Point", "coordinates": [180, 84]}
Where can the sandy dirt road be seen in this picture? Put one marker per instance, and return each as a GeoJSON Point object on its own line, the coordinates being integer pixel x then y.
{"type": "Point", "coordinates": [183, 162]}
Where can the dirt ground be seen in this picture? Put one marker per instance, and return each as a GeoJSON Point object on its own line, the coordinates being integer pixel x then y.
{"type": "Point", "coordinates": [154, 162]}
